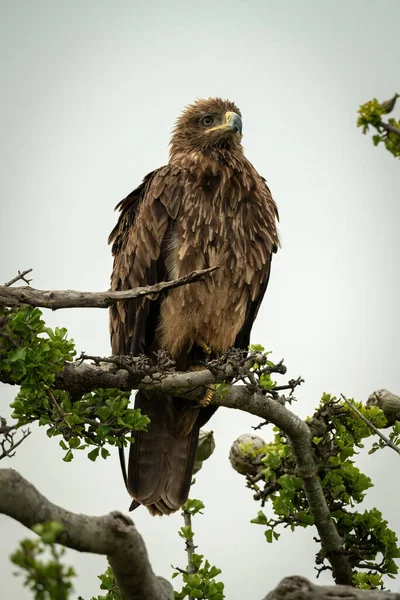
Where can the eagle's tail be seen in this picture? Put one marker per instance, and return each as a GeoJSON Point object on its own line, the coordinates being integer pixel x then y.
{"type": "Point", "coordinates": [161, 460]}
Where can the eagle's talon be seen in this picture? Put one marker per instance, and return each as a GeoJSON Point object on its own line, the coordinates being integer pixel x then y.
{"type": "Point", "coordinates": [207, 397]}
{"type": "Point", "coordinates": [206, 347]}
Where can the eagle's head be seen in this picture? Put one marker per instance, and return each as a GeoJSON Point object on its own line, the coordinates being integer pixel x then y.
{"type": "Point", "coordinates": [207, 124]}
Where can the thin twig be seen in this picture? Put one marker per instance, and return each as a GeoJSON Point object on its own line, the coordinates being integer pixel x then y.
{"type": "Point", "coordinates": [10, 452]}
{"type": "Point", "coordinates": [21, 275]}
{"type": "Point", "coordinates": [54, 401]}
{"type": "Point", "coordinates": [183, 571]}
{"type": "Point", "coordinates": [190, 547]}
{"type": "Point", "coordinates": [371, 426]}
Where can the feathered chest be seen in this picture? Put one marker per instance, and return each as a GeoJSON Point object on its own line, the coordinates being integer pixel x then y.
{"type": "Point", "coordinates": [225, 223]}
{"type": "Point", "coordinates": [184, 218]}
{"type": "Point", "coordinates": [225, 220]}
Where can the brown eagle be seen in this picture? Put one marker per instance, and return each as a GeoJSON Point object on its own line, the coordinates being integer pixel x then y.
{"type": "Point", "coordinates": [208, 206]}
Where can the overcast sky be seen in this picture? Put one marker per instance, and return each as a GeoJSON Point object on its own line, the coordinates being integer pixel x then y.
{"type": "Point", "coordinates": [90, 92]}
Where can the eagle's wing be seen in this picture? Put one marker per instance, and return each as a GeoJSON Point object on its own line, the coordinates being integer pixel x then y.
{"type": "Point", "coordinates": [161, 459]}
{"type": "Point", "coordinates": [139, 244]}
{"type": "Point", "coordinates": [243, 337]}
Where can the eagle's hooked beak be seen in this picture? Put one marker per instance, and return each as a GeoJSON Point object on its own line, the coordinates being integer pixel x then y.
{"type": "Point", "coordinates": [233, 122]}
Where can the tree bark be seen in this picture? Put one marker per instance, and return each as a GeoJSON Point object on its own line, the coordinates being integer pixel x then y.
{"type": "Point", "coordinates": [113, 535]}
{"type": "Point", "coordinates": [299, 588]}
{"type": "Point", "coordinates": [55, 299]}
{"type": "Point", "coordinates": [80, 378]}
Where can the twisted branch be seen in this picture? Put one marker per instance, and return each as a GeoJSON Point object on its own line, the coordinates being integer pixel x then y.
{"type": "Point", "coordinates": [82, 377]}
{"type": "Point", "coordinates": [113, 535]}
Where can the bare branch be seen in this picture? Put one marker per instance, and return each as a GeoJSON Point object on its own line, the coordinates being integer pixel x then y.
{"type": "Point", "coordinates": [371, 426]}
{"type": "Point", "coordinates": [113, 535]}
{"type": "Point", "coordinates": [7, 442]}
{"type": "Point", "coordinates": [20, 276]}
{"type": "Point", "coordinates": [55, 299]}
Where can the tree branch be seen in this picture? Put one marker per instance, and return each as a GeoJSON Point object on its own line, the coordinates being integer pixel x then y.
{"type": "Point", "coordinates": [372, 426]}
{"type": "Point", "coordinates": [390, 128]}
{"type": "Point", "coordinates": [299, 436]}
{"type": "Point", "coordinates": [113, 535]}
{"type": "Point", "coordinates": [189, 546]}
{"type": "Point", "coordinates": [81, 378]}
{"type": "Point", "coordinates": [299, 588]}
{"type": "Point", "coordinates": [55, 299]}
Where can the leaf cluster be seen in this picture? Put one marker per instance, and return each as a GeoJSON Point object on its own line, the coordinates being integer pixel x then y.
{"type": "Point", "coordinates": [394, 437]}
{"type": "Point", "coordinates": [107, 583]}
{"type": "Point", "coordinates": [366, 535]}
{"type": "Point", "coordinates": [201, 583]}
{"type": "Point", "coordinates": [370, 115]}
{"type": "Point", "coordinates": [265, 380]}
{"type": "Point", "coordinates": [31, 355]}
{"type": "Point", "coordinates": [47, 579]}
{"type": "Point", "coordinates": [199, 577]}
{"type": "Point", "coordinates": [100, 417]}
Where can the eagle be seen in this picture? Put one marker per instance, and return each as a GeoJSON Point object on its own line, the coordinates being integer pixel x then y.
{"type": "Point", "coordinates": [207, 207]}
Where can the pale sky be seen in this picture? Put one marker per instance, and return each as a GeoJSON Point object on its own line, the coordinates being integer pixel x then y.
{"type": "Point", "coordinates": [90, 92]}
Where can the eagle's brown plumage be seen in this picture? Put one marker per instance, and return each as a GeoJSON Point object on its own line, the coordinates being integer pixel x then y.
{"type": "Point", "coordinates": [207, 207]}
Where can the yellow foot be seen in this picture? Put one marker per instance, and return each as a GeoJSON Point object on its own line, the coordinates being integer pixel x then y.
{"type": "Point", "coordinates": [207, 396]}
{"type": "Point", "coordinates": [205, 347]}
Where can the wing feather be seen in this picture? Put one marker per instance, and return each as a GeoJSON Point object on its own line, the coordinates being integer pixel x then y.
{"type": "Point", "coordinates": [147, 216]}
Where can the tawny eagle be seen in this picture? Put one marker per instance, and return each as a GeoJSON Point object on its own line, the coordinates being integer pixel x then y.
{"type": "Point", "coordinates": [208, 206]}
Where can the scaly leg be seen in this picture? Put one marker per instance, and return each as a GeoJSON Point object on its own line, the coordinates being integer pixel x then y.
{"type": "Point", "coordinates": [210, 391]}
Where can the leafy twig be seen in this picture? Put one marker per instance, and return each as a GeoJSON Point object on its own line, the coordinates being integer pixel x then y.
{"type": "Point", "coordinates": [371, 426]}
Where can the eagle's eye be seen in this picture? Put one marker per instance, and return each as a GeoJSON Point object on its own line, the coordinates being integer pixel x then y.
{"type": "Point", "coordinates": [207, 120]}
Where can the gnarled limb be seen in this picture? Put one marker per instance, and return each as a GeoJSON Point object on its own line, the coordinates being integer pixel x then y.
{"type": "Point", "coordinates": [113, 535]}
{"type": "Point", "coordinates": [83, 378]}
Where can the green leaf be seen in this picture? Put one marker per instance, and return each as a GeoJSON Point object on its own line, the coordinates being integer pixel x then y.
{"type": "Point", "coordinates": [260, 519]}
{"type": "Point", "coordinates": [93, 454]}
{"type": "Point", "coordinates": [306, 518]}
{"type": "Point", "coordinates": [268, 535]}
{"type": "Point", "coordinates": [104, 453]}
{"type": "Point", "coordinates": [74, 442]}
{"type": "Point", "coordinates": [186, 532]}
{"type": "Point", "coordinates": [19, 354]}
{"type": "Point", "coordinates": [193, 506]}
{"type": "Point", "coordinates": [68, 457]}
{"type": "Point", "coordinates": [196, 560]}
{"type": "Point", "coordinates": [214, 572]}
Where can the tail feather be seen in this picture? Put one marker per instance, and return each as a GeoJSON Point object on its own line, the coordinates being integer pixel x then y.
{"type": "Point", "coordinates": [161, 460]}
